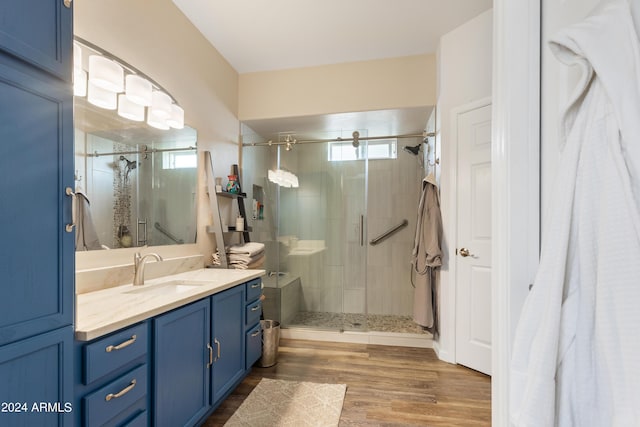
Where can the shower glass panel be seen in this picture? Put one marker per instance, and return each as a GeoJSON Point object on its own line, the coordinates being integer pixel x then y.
{"type": "Point", "coordinates": [321, 234]}
{"type": "Point", "coordinates": [322, 271]}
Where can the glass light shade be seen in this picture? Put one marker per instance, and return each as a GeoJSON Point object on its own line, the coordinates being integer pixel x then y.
{"type": "Point", "coordinates": [106, 74]}
{"type": "Point", "coordinates": [176, 120]}
{"type": "Point", "coordinates": [156, 121]}
{"type": "Point", "coordinates": [129, 110]}
{"type": "Point", "coordinates": [161, 104]}
{"type": "Point", "coordinates": [102, 98]}
{"type": "Point", "coordinates": [77, 55]}
{"type": "Point", "coordinates": [79, 82]}
{"type": "Point", "coordinates": [138, 90]}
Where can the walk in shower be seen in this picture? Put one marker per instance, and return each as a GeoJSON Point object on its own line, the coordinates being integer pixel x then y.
{"type": "Point", "coordinates": [322, 270]}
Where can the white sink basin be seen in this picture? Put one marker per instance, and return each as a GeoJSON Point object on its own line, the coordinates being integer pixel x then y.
{"type": "Point", "coordinates": [170, 287]}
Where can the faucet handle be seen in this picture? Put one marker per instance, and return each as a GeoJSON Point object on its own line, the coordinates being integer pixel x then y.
{"type": "Point", "coordinates": [136, 258]}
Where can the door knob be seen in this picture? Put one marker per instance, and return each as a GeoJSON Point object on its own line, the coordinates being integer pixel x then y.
{"type": "Point", "coordinates": [464, 252]}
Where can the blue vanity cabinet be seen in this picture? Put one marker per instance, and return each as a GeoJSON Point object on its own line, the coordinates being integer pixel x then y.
{"type": "Point", "coordinates": [40, 33]}
{"type": "Point", "coordinates": [36, 159]}
{"type": "Point", "coordinates": [181, 378]}
{"type": "Point", "coordinates": [112, 376]}
{"type": "Point", "coordinates": [228, 334]}
{"type": "Point", "coordinates": [253, 334]}
{"type": "Point", "coordinates": [34, 390]}
{"type": "Point", "coordinates": [37, 259]}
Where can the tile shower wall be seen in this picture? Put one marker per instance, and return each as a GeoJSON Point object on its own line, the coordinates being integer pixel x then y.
{"type": "Point", "coordinates": [394, 191]}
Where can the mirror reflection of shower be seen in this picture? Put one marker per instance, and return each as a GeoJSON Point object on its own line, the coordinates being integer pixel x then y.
{"type": "Point", "coordinates": [123, 200]}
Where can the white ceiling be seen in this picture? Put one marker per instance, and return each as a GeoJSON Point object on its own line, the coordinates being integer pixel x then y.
{"type": "Point", "coordinates": [261, 35]}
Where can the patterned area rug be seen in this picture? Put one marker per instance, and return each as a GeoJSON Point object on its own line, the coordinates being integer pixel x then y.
{"type": "Point", "coordinates": [290, 403]}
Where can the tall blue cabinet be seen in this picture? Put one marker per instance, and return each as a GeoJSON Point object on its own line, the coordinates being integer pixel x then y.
{"type": "Point", "coordinates": [37, 257]}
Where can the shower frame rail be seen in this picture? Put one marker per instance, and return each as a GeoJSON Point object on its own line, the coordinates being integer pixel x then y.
{"type": "Point", "coordinates": [389, 233]}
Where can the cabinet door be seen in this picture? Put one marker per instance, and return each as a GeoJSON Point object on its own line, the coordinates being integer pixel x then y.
{"type": "Point", "coordinates": [181, 388]}
{"type": "Point", "coordinates": [37, 380]}
{"type": "Point", "coordinates": [36, 159]}
{"type": "Point", "coordinates": [228, 340]}
{"type": "Point", "coordinates": [39, 32]}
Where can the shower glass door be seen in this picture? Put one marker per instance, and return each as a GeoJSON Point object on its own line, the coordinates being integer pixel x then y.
{"type": "Point", "coordinates": [322, 233]}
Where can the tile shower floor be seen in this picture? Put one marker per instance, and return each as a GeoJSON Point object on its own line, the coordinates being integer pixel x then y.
{"type": "Point", "coordinates": [355, 322]}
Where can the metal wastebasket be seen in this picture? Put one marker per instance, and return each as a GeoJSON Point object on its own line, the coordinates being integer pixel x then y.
{"type": "Point", "coordinates": [270, 342]}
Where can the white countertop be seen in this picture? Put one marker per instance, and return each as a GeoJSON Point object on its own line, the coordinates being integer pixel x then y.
{"type": "Point", "coordinates": [101, 312]}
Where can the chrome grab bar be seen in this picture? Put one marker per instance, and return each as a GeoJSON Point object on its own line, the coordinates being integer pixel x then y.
{"type": "Point", "coordinates": [166, 233]}
{"type": "Point", "coordinates": [388, 233]}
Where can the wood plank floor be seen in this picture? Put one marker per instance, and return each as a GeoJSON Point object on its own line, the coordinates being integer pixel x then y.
{"type": "Point", "coordinates": [386, 386]}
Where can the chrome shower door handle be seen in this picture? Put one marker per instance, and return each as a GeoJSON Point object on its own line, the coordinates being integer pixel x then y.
{"type": "Point", "coordinates": [361, 230]}
{"type": "Point", "coordinates": [69, 192]}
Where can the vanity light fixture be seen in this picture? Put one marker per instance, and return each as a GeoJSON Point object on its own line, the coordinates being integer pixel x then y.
{"type": "Point", "coordinates": [176, 120]}
{"type": "Point", "coordinates": [101, 97]}
{"type": "Point", "coordinates": [138, 90]}
{"type": "Point", "coordinates": [129, 110]}
{"type": "Point", "coordinates": [106, 74]}
{"type": "Point", "coordinates": [105, 87]}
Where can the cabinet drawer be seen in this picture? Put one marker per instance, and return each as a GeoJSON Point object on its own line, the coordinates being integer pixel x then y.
{"type": "Point", "coordinates": [114, 351]}
{"type": "Point", "coordinates": [252, 313]}
{"type": "Point", "coordinates": [141, 420]}
{"type": "Point", "coordinates": [253, 345]}
{"type": "Point", "coordinates": [110, 400]}
{"type": "Point", "coordinates": [253, 289]}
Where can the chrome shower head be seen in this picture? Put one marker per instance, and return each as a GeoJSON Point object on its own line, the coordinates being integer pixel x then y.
{"type": "Point", "coordinates": [412, 150]}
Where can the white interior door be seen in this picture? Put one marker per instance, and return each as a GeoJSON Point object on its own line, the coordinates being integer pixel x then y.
{"type": "Point", "coordinates": [473, 246]}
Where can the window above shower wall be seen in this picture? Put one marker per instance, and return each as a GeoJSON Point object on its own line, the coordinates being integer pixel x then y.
{"type": "Point", "coordinates": [372, 150]}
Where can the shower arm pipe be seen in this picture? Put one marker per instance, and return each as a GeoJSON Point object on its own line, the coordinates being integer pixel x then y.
{"type": "Point", "coordinates": [146, 151]}
{"type": "Point", "coordinates": [361, 138]}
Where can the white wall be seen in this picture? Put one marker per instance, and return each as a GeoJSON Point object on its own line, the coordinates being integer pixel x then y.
{"type": "Point", "coordinates": [157, 38]}
{"type": "Point", "coordinates": [464, 75]}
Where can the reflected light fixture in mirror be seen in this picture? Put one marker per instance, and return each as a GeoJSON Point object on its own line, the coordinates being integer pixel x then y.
{"type": "Point", "coordinates": [129, 110]}
{"type": "Point", "coordinates": [79, 75]}
{"type": "Point", "coordinates": [176, 120]}
{"type": "Point", "coordinates": [161, 104]}
{"type": "Point", "coordinates": [101, 97]}
{"type": "Point", "coordinates": [154, 120]}
{"type": "Point", "coordinates": [138, 90]}
{"type": "Point", "coordinates": [106, 74]}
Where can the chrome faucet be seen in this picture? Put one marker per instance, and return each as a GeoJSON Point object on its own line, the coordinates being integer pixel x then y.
{"type": "Point", "coordinates": [138, 267]}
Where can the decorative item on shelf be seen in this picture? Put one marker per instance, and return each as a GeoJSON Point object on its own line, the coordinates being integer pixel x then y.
{"type": "Point", "coordinates": [239, 224]}
{"type": "Point", "coordinates": [218, 185]}
{"type": "Point", "coordinates": [124, 236]}
{"type": "Point", "coordinates": [233, 186]}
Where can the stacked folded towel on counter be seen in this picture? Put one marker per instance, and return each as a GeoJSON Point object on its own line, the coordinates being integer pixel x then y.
{"type": "Point", "coordinates": [247, 256]}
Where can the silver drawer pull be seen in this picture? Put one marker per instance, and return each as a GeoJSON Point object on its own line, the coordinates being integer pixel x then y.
{"type": "Point", "coordinates": [122, 392]}
{"type": "Point", "coordinates": [255, 307]}
{"type": "Point", "coordinates": [210, 354]}
{"type": "Point", "coordinates": [255, 285]}
{"type": "Point", "coordinates": [120, 346]}
{"type": "Point", "coordinates": [255, 334]}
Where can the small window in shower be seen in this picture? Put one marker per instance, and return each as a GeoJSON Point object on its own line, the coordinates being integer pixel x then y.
{"type": "Point", "coordinates": [179, 160]}
{"type": "Point", "coordinates": [375, 149]}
